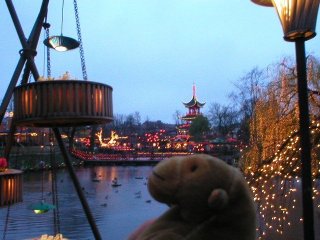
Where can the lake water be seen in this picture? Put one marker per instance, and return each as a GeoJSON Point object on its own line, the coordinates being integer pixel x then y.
{"type": "Point", "coordinates": [118, 211]}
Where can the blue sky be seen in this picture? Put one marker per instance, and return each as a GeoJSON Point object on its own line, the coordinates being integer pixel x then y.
{"type": "Point", "coordinates": [152, 51]}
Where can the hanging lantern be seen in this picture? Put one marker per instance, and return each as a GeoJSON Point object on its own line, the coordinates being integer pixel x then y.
{"type": "Point", "coordinates": [41, 207]}
{"type": "Point", "coordinates": [61, 43]}
{"type": "Point", "coordinates": [298, 18]}
{"type": "Point", "coordinates": [266, 3]}
{"type": "Point", "coordinates": [62, 103]}
{"type": "Point", "coordinates": [10, 187]}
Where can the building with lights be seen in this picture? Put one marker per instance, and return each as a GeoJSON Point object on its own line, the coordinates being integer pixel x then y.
{"type": "Point", "coordinates": [193, 107]}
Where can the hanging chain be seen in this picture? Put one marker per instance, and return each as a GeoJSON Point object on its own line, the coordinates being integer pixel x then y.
{"type": "Point", "coordinates": [83, 63]}
{"type": "Point", "coordinates": [48, 57]}
{"type": "Point", "coordinates": [62, 16]}
{"type": "Point", "coordinates": [46, 26]}
{"type": "Point", "coordinates": [55, 197]}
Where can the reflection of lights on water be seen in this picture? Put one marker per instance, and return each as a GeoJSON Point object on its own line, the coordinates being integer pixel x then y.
{"type": "Point", "coordinates": [100, 172]}
{"type": "Point", "coordinates": [113, 173]}
{"type": "Point", "coordinates": [58, 236]}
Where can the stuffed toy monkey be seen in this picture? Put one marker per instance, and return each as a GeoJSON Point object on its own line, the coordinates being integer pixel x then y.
{"type": "Point", "coordinates": [208, 199]}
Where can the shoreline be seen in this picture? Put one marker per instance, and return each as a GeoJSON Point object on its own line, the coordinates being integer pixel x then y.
{"type": "Point", "coordinates": [120, 162]}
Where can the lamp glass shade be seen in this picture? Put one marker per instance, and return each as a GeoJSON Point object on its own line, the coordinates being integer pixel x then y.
{"type": "Point", "coordinates": [298, 17]}
{"type": "Point", "coordinates": [266, 3]}
{"type": "Point", "coordinates": [41, 207]}
{"type": "Point", "coordinates": [61, 43]}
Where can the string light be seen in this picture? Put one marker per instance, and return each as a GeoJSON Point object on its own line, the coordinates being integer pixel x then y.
{"type": "Point", "coordinates": [271, 163]}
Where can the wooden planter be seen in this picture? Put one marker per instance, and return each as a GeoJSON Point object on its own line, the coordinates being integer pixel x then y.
{"type": "Point", "coordinates": [10, 187]}
{"type": "Point", "coordinates": [62, 103]}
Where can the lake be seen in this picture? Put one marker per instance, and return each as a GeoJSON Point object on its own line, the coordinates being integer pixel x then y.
{"type": "Point", "coordinates": [117, 210]}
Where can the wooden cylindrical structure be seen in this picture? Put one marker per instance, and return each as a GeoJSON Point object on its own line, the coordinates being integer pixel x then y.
{"type": "Point", "coordinates": [62, 103]}
{"type": "Point", "coordinates": [10, 187]}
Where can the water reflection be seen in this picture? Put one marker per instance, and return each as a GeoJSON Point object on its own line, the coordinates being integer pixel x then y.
{"type": "Point", "coordinates": [117, 210]}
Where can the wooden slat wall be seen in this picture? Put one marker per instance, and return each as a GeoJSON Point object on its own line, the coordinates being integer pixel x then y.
{"type": "Point", "coordinates": [62, 102]}
{"type": "Point", "coordinates": [10, 188]}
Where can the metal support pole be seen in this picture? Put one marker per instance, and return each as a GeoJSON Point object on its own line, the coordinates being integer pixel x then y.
{"type": "Point", "coordinates": [9, 142]}
{"type": "Point", "coordinates": [29, 47]}
{"type": "Point", "coordinates": [76, 183]}
{"type": "Point", "coordinates": [12, 85]}
{"type": "Point", "coordinates": [305, 144]}
{"type": "Point", "coordinates": [30, 43]}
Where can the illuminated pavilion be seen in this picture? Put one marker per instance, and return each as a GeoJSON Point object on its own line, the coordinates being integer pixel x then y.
{"type": "Point", "coordinates": [193, 107]}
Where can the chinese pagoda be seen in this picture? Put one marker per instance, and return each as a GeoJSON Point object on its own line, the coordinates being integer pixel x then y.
{"type": "Point", "coordinates": [193, 111]}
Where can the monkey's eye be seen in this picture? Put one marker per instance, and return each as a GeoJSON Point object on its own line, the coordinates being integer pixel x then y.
{"type": "Point", "coordinates": [194, 168]}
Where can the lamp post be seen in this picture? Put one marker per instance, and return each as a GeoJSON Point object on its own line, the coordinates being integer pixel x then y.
{"type": "Point", "coordinates": [298, 20]}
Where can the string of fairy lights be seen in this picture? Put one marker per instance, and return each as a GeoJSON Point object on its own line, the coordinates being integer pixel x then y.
{"type": "Point", "coordinates": [272, 165]}
{"type": "Point", "coordinates": [275, 187]}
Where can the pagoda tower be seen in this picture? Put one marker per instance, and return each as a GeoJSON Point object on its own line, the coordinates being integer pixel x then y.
{"type": "Point", "coordinates": [193, 107]}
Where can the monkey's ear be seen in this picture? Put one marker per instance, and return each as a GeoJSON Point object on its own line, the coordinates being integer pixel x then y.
{"type": "Point", "coordinates": [218, 199]}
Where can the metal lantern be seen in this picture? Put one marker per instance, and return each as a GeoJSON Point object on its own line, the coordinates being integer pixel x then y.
{"type": "Point", "coordinates": [266, 3]}
{"type": "Point", "coordinates": [61, 43]}
{"type": "Point", "coordinates": [41, 207]}
{"type": "Point", "coordinates": [298, 18]}
{"type": "Point", "coordinates": [10, 187]}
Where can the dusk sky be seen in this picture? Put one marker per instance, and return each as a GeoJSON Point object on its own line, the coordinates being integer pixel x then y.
{"type": "Point", "coordinates": [152, 51]}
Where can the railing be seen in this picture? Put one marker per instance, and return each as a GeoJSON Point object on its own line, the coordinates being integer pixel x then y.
{"type": "Point", "coordinates": [88, 156]}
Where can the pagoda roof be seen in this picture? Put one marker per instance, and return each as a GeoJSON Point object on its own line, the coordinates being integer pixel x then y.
{"type": "Point", "coordinates": [194, 102]}
{"type": "Point", "coordinates": [189, 117]}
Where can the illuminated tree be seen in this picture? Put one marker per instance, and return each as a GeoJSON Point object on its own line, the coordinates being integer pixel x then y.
{"type": "Point", "coordinates": [271, 162]}
{"type": "Point", "coordinates": [274, 117]}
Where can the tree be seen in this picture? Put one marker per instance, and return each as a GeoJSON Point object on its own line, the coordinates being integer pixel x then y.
{"type": "Point", "coordinates": [129, 124]}
{"type": "Point", "coordinates": [223, 118]}
{"type": "Point", "coordinates": [199, 126]}
{"type": "Point", "coordinates": [248, 92]}
{"type": "Point", "coordinates": [274, 125]}
{"type": "Point", "coordinates": [272, 161]}
{"type": "Point", "coordinates": [137, 118]}
{"type": "Point", "coordinates": [118, 122]}
{"type": "Point", "coordinates": [176, 117]}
